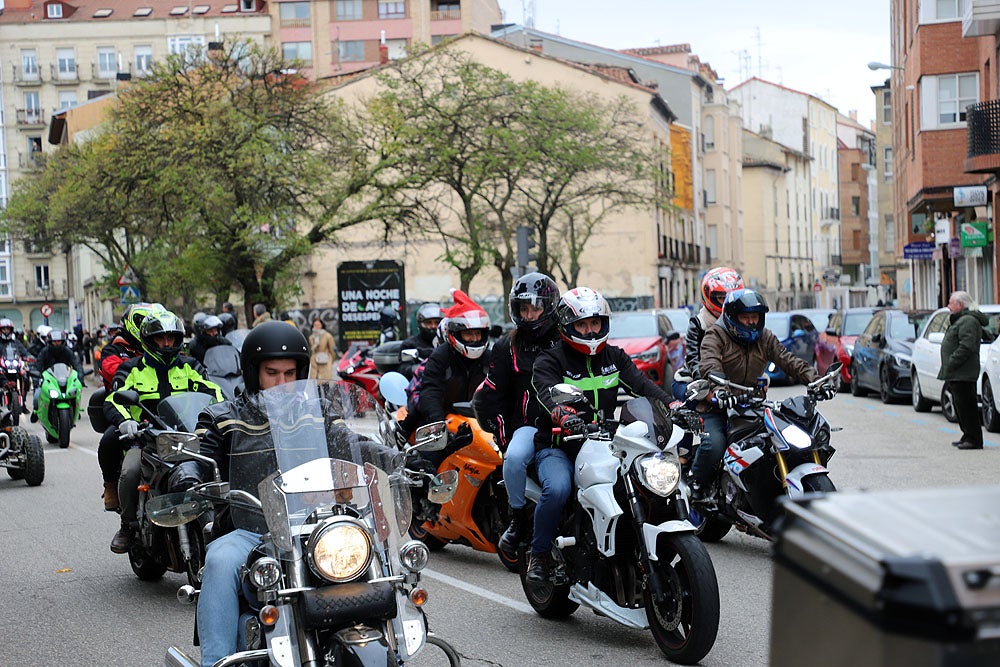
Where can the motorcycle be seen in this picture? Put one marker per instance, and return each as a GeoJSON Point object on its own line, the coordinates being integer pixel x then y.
{"type": "Point", "coordinates": [626, 548]}
{"type": "Point", "coordinates": [222, 366]}
{"type": "Point", "coordinates": [777, 449]}
{"type": "Point", "coordinates": [479, 513]}
{"type": "Point", "coordinates": [334, 581]}
{"type": "Point", "coordinates": [170, 530]}
{"type": "Point", "coordinates": [59, 402]}
{"type": "Point", "coordinates": [15, 383]}
{"type": "Point", "coordinates": [356, 366]}
{"type": "Point", "coordinates": [21, 454]}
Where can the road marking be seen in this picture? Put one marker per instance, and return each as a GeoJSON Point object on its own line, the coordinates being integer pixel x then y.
{"type": "Point", "coordinates": [84, 449]}
{"type": "Point", "coordinates": [476, 590]}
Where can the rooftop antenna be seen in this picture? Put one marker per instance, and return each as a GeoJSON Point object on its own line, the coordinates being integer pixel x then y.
{"type": "Point", "coordinates": [528, 13]}
{"type": "Point", "coordinates": [760, 56]}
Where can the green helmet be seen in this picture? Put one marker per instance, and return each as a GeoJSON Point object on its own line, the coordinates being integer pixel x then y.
{"type": "Point", "coordinates": [162, 321]}
{"type": "Point", "coordinates": [132, 320]}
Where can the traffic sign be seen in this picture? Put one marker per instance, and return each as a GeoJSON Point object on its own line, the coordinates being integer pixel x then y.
{"type": "Point", "coordinates": [817, 287]}
{"type": "Point", "coordinates": [128, 277]}
{"type": "Point", "coordinates": [46, 310]}
{"type": "Point", "coordinates": [130, 294]}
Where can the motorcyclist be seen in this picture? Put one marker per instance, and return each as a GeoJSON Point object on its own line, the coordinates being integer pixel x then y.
{"type": "Point", "coordinates": [158, 373]}
{"type": "Point", "coordinates": [9, 340]}
{"type": "Point", "coordinates": [585, 360]}
{"type": "Point", "coordinates": [740, 348]}
{"type": "Point", "coordinates": [235, 434]}
{"type": "Point", "coordinates": [229, 323]}
{"type": "Point", "coordinates": [41, 340]}
{"type": "Point", "coordinates": [54, 353]}
{"type": "Point", "coordinates": [505, 404]}
{"type": "Point", "coordinates": [126, 345]}
{"type": "Point", "coordinates": [429, 316]}
{"type": "Point", "coordinates": [388, 319]}
{"type": "Point", "coordinates": [208, 336]}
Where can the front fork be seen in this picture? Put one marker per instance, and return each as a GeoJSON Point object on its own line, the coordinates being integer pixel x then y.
{"type": "Point", "coordinates": [783, 466]}
{"type": "Point", "coordinates": [639, 518]}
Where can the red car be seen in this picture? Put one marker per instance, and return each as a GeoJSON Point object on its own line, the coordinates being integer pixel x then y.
{"type": "Point", "coordinates": [649, 338]}
{"type": "Point", "coordinates": [836, 342]}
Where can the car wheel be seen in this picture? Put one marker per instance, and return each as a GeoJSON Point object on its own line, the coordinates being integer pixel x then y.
{"type": "Point", "coordinates": [883, 385]}
{"type": "Point", "coordinates": [856, 388]}
{"type": "Point", "coordinates": [948, 404]}
{"type": "Point", "coordinates": [920, 404]}
{"type": "Point", "coordinates": [991, 416]}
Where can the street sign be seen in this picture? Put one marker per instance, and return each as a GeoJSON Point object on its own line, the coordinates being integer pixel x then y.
{"type": "Point", "coordinates": [46, 310]}
{"type": "Point", "coordinates": [918, 250]}
{"type": "Point", "coordinates": [817, 287]}
{"type": "Point", "coordinates": [130, 294]}
{"type": "Point", "coordinates": [128, 277]}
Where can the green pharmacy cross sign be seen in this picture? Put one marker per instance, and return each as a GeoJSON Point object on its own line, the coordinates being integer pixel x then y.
{"type": "Point", "coordinates": [975, 234]}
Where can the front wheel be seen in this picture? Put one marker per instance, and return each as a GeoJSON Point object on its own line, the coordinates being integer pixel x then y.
{"type": "Point", "coordinates": [197, 541]}
{"type": "Point", "coordinates": [686, 622]}
{"type": "Point", "coordinates": [713, 529]}
{"type": "Point", "coordinates": [438, 652]}
{"type": "Point", "coordinates": [34, 461]}
{"type": "Point", "coordinates": [991, 416]}
{"type": "Point", "coordinates": [547, 599]}
{"type": "Point", "coordinates": [64, 425]}
{"type": "Point", "coordinates": [418, 532]}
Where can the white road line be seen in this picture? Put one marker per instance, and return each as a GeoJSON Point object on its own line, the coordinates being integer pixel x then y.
{"type": "Point", "coordinates": [476, 590]}
{"type": "Point", "coordinates": [84, 449]}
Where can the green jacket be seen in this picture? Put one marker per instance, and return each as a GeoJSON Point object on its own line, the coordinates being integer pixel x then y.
{"type": "Point", "coordinates": [154, 384]}
{"type": "Point", "coordinates": [960, 347]}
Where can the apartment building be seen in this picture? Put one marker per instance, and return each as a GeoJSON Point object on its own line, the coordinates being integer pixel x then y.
{"type": "Point", "coordinates": [344, 36]}
{"type": "Point", "coordinates": [56, 55]}
{"type": "Point", "coordinates": [859, 230]}
{"type": "Point", "coordinates": [808, 124]}
{"type": "Point", "coordinates": [937, 75]}
{"type": "Point", "coordinates": [894, 278]}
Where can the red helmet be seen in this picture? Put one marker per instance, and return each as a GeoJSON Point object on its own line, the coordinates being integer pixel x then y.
{"type": "Point", "coordinates": [716, 284]}
{"type": "Point", "coordinates": [582, 303]}
{"type": "Point", "coordinates": [466, 315]}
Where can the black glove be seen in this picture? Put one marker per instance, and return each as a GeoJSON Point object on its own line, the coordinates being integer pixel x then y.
{"type": "Point", "coordinates": [568, 421]}
{"type": "Point", "coordinates": [823, 392]}
{"type": "Point", "coordinates": [725, 400]}
{"type": "Point", "coordinates": [461, 437]}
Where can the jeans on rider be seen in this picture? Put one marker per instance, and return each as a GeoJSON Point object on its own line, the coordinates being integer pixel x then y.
{"type": "Point", "coordinates": [678, 390]}
{"type": "Point", "coordinates": [219, 600]}
{"type": "Point", "coordinates": [712, 447]}
{"type": "Point", "coordinates": [520, 452]}
{"type": "Point", "coordinates": [555, 474]}
{"type": "Point", "coordinates": [128, 484]}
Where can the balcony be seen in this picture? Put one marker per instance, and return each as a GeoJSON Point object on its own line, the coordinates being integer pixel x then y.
{"type": "Point", "coordinates": [983, 131]}
{"type": "Point", "coordinates": [982, 18]}
{"type": "Point", "coordinates": [30, 118]}
{"type": "Point", "coordinates": [55, 289]}
{"type": "Point", "coordinates": [446, 14]}
{"type": "Point", "coordinates": [65, 74]}
{"type": "Point", "coordinates": [24, 78]}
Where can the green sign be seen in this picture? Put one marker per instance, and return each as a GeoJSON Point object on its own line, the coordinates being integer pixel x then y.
{"type": "Point", "coordinates": [974, 234]}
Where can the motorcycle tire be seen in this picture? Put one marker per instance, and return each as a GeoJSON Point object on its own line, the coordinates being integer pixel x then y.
{"type": "Point", "coordinates": [144, 565]}
{"type": "Point", "coordinates": [510, 564]}
{"type": "Point", "coordinates": [51, 439]}
{"type": "Point", "coordinates": [65, 424]}
{"type": "Point", "coordinates": [684, 626]}
{"type": "Point", "coordinates": [438, 650]}
{"type": "Point", "coordinates": [34, 461]}
{"type": "Point", "coordinates": [18, 443]}
{"type": "Point", "coordinates": [548, 600]}
{"type": "Point", "coordinates": [417, 532]}
{"type": "Point", "coordinates": [713, 530]}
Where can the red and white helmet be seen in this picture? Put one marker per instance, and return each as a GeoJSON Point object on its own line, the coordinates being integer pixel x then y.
{"type": "Point", "coordinates": [581, 303]}
{"type": "Point", "coordinates": [716, 284]}
{"type": "Point", "coordinates": [466, 315]}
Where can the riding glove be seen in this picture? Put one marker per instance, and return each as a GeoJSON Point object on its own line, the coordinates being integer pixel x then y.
{"type": "Point", "coordinates": [823, 393]}
{"type": "Point", "coordinates": [568, 421]}
{"type": "Point", "coordinates": [128, 428]}
{"type": "Point", "coordinates": [726, 400]}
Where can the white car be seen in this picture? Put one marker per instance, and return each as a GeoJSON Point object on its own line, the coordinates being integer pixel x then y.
{"type": "Point", "coordinates": [927, 388]}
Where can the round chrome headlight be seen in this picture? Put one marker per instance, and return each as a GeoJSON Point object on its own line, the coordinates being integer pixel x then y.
{"type": "Point", "coordinates": [339, 550]}
{"type": "Point", "coordinates": [659, 473]}
{"type": "Point", "coordinates": [265, 572]}
{"type": "Point", "coordinates": [414, 555]}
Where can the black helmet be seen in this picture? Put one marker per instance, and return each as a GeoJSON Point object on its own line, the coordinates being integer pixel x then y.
{"type": "Point", "coordinates": [196, 322]}
{"type": "Point", "coordinates": [737, 303]}
{"type": "Point", "coordinates": [162, 321]}
{"type": "Point", "coordinates": [273, 340]}
{"type": "Point", "coordinates": [539, 290]}
{"type": "Point", "coordinates": [228, 322]}
{"type": "Point", "coordinates": [429, 312]}
{"type": "Point", "coordinates": [388, 317]}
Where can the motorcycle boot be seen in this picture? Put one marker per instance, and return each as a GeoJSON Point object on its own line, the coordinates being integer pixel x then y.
{"type": "Point", "coordinates": [122, 541]}
{"type": "Point", "coordinates": [515, 533]}
{"type": "Point", "coordinates": [110, 496]}
{"type": "Point", "coordinates": [538, 568]}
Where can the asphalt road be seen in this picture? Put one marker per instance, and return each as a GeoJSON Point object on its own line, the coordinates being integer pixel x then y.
{"type": "Point", "coordinates": [71, 602]}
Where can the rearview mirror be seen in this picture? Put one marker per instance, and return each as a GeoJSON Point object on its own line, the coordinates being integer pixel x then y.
{"type": "Point", "coordinates": [563, 393]}
{"type": "Point", "coordinates": [697, 390]}
{"type": "Point", "coordinates": [431, 437]}
{"type": "Point", "coordinates": [409, 354]}
{"type": "Point", "coordinates": [175, 446]}
{"type": "Point", "coordinates": [717, 378]}
{"type": "Point", "coordinates": [442, 487]}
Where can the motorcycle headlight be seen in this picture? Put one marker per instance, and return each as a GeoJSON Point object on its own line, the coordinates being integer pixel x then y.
{"type": "Point", "coordinates": [796, 437]}
{"type": "Point", "coordinates": [53, 393]}
{"type": "Point", "coordinates": [650, 356]}
{"type": "Point", "coordinates": [265, 572]}
{"type": "Point", "coordinates": [901, 360]}
{"type": "Point", "coordinates": [414, 555]}
{"type": "Point", "coordinates": [339, 550]}
{"type": "Point", "coordinates": [659, 473]}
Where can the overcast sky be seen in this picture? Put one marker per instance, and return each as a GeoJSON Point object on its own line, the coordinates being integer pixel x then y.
{"type": "Point", "coordinates": [820, 48]}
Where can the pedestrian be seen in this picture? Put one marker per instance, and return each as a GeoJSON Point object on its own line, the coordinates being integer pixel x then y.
{"type": "Point", "coordinates": [960, 365]}
{"type": "Point", "coordinates": [324, 352]}
{"type": "Point", "coordinates": [228, 308]}
{"type": "Point", "coordinates": [260, 315]}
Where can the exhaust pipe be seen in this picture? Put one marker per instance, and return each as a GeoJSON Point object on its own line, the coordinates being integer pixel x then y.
{"type": "Point", "coordinates": [187, 594]}
{"type": "Point", "coordinates": [177, 658]}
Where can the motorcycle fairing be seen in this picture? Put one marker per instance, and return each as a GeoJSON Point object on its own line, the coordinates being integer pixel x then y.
{"type": "Point", "coordinates": [593, 597]}
{"type": "Point", "coordinates": [737, 460]}
{"type": "Point", "coordinates": [651, 532]}
{"type": "Point", "coordinates": [798, 473]}
{"type": "Point", "coordinates": [597, 497]}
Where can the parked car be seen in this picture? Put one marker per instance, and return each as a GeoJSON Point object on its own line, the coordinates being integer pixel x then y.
{"type": "Point", "coordinates": [883, 354]}
{"type": "Point", "coordinates": [836, 341]}
{"type": "Point", "coordinates": [927, 389]}
{"type": "Point", "coordinates": [644, 336]}
{"type": "Point", "coordinates": [798, 331]}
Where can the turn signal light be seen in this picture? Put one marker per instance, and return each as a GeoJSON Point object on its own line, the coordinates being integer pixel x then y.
{"type": "Point", "coordinates": [143, 487]}
{"type": "Point", "coordinates": [418, 596]}
{"type": "Point", "coordinates": [269, 615]}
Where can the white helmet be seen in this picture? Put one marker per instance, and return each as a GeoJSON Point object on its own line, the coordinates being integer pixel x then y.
{"type": "Point", "coordinates": [581, 303]}
{"type": "Point", "coordinates": [467, 315]}
{"type": "Point", "coordinates": [43, 331]}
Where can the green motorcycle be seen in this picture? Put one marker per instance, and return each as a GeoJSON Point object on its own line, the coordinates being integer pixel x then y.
{"type": "Point", "coordinates": [59, 402]}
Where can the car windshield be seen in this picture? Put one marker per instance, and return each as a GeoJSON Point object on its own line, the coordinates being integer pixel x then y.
{"type": "Point", "coordinates": [633, 325]}
{"type": "Point", "coordinates": [679, 320]}
{"type": "Point", "coordinates": [855, 323]}
{"type": "Point", "coordinates": [905, 327]}
{"type": "Point", "coordinates": [778, 323]}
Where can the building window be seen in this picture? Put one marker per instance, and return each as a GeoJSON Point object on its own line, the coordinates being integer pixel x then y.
{"type": "Point", "coordinates": [67, 99]}
{"type": "Point", "coordinates": [5, 276]}
{"type": "Point", "coordinates": [391, 10]}
{"type": "Point", "coordinates": [348, 10]}
{"type": "Point", "coordinates": [887, 107]}
{"type": "Point", "coordinates": [294, 14]}
{"type": "Point", "coordinates": [437, 39]}
{"type": "Point", "coordinates": [890, 234]}
{"type": "Point", "coordinates": [54, 11]}
{"type": "Point", "coordinates": [709, 133]}
{"type": "Point", "coordinates": [42, 277]}
{"type": "Point", "coordinates": [300, 51]}
{"type": "Point", "coordinates": [856, 205]}
{"type": "Point", "coordinates": [106, 65]}
{"type": "Point", "coordinates": [709, 186]}
{"type": "Point", "coordinates": [181, 44]}
{"type": "Point", "coordinates": [66, 63]}
{"type": "Point", "coordinates": [942, 10]}
{"type": "Point", "coordinates": [143, 60]}
{"type": "Point", "coordinates": [944, 99]}
{"type": "Point", "coordinates": [351, 51]}
{"type": "Point", "coordinates": [248, 5]}
{"type": "Point", "coordinates": [888, 164]}
{"type": "Point", "coordinates": [29, 64]}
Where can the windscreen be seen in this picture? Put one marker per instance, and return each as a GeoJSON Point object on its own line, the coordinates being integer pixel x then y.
{"type": "Point", "coordinates": [633, 325]}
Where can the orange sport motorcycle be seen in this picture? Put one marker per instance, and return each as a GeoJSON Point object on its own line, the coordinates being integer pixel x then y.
{"type": "Point", "coordinates": [478, 513]}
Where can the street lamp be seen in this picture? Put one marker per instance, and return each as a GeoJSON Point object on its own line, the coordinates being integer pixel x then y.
{"type": "Point", "coordinates": [877, 66]}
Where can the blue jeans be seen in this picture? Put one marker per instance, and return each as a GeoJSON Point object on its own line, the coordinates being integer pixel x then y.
{"type": "Point", "coordinates": [219, 600]}
{"type": "Point", "coordinates": [555, 474]}
{"type": "Point", "coordinates": [520, 452]}
{"type": "Point", "coordinates": [712, 447]}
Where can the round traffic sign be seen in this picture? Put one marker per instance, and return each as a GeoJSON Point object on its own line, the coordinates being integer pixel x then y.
{"type": "Point", "coordinates": [817, 287]}
{"type": "Point", "coordinates": [46, 310]}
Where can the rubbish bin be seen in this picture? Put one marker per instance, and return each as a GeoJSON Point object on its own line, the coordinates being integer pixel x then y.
{"type": "Point", "coordinates": [888, 578]}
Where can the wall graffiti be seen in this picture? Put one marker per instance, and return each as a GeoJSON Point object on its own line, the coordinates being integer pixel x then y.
{"type": "Point", "coordinates": [620, 304]}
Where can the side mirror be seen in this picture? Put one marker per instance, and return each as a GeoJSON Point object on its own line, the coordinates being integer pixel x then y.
{"type": "Point", "coordinates": [442, 487]}
{"type": "Point", "coordinates": [832, 333]}
{"type": "Point", "coordinates": [697, 390]}
{"type": "Point", "coordinates": [878, 339]}
{"type": "Point", "coordinates": [127, 397]}
{"type": "Point", "coordinates": [717, 378]}
{"type": "Point", "coordinates": [834, 368]}
{"type": "Point", "coordinates": [409, 355]}
{"type": "Point", "coordinates": [393, 385]}
{"type": "Point", "coordinates": [431, 437]}
{"type": "Point", "coordinates": [174, 446]}
{"type": "Point", "coordinates": [564, 393]}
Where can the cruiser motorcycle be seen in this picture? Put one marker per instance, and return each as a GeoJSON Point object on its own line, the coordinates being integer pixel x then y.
{"type": "Point", "coordinates": [335, 581]}
{"type": "Point", "coordinates": [777, 449]}
{"type": "Point", "coordinates": [626, 548]}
